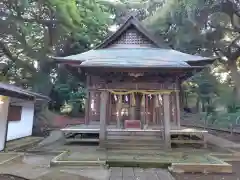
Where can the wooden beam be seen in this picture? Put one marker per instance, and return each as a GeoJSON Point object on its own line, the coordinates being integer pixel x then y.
{"type": "Point", "coordinates": [103, 115]}
{"type": "Point", "coordinates": [166, 99]}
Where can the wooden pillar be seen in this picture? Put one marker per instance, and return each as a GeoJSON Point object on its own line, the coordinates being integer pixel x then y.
{"type": "Point", "coordinates": [109, 108]}
{"type": "Point", "coordinates": [147, 112]}
{"type": "Point", "coordinates": [103, 116]}
{"type": "Point", "coordinates": [143, 111]}
{"type": "Point", "coordinates": [154, 109]}
{"type": "Point", "coordinates": [87, 102]}
{"type": "Point", "coordinates": [178, 110]}
{"type": "Point", "coordinates": [166, 101]}
{"type": "Point", "coordinates": [92, 105]}
{"type": "Point", "coordinates": [174, 109]}
{"type": "Point", "coordinates": [119, 110]}
{"type": "Point", "coordinates": [170, 108]}
{"type": "Point", "coordinates": [138, 107]}
{"type": "Point", "coordinates": [87, 107]}
{"type": "Point", "coordinates": [181, 95]}
{"type": "Point", "coordinates": [132, 107]}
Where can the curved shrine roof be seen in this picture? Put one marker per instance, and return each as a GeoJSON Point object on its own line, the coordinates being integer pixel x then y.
{"type": "Point", "coordinates": [132, 46]}
{"type": "Point", "coordinates": [135, 57]}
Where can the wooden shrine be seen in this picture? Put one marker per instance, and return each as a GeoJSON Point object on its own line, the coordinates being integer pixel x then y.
{"type": "Point", "coordinates": [134, 76]}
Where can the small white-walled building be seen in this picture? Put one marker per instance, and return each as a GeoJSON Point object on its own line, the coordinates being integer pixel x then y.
{"type": "Point", "coordinates": [20, 118]}
{"type": "Point", "coordinates": [16, 112]}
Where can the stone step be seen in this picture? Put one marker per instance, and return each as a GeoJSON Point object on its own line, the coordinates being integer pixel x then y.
{"type": "Point", "coordinates": [139, 148]}
{"type": "Point", "coordinates": [135, 141]}
{"type": "Point", "coordinates": [140, 138]}
{"type": "Point", "coordinates": [135, 145]}
{"type": "Point", "coordinates": [135, 133]}
{"type": "Point", "coordinates": [163, 152]}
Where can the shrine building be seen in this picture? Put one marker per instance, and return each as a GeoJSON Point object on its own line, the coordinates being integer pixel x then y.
{"type": "Point", "coordinates": [133, 82]}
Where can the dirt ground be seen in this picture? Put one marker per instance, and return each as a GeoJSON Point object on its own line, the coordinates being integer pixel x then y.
{"type": "Point", "coordinates": [232, 137]}
{"type": "Point", "coordinates": [234, 176]}
{"type": "Point", "coordinates": [10, 177]}
{"type": "Point", "coordinates": [36, 166]}
{"type": "Point", "coordinates": [227, 135]}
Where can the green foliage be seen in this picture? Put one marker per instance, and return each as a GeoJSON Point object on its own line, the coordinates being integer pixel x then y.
{"type": "Point", "coordinates": [73, 99]}
{"type": "Point", "coordinates": [77, 101]}
{"type": "Point", "coordinates": [33, 31]}
{"type": "Point", "coordinates": [68, 93]}
{"type": "Point", "coordinates": [207, 28]}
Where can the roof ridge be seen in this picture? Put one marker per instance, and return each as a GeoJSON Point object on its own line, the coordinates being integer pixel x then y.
{"type": "Point", "coordinates": [132, 20]}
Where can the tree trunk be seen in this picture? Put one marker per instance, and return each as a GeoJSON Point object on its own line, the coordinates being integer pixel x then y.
{"type": "Point", "coordinates": [203, 106]}
{"type": "Point", "coordinates": [181, 97]}
{"type": "Point", "coordinates": [43, 83]}
{"type": "Point", "coordinates": [186, 99]}
{"type": "Point", "coordinates": [197, 104]}
{"type": "Point", "coordinates": [235, 75]}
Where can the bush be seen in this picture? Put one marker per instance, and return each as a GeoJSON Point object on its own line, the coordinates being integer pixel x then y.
{"type": "Point", "coordinates": [224, 120]}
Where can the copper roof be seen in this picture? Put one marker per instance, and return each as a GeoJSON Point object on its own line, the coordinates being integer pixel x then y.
{"type": "Point", "coordinates": [132, 46]}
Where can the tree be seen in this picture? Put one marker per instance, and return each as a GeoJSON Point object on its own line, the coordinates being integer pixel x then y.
{"type": "Point", "coordinates": [140, 8]}
{"type": "Point", "coordinates": [32, 31]}
{"type": "Point", "coordinates": [202, 27]}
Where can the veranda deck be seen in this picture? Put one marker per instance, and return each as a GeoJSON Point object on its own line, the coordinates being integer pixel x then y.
{"type": "Point", "coordinates": [112, 129]}
{"type": "Point", "coordinates": [95, 129]}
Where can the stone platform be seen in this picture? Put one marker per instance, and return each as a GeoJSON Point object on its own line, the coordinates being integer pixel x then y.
{"type": "Point", "coordinates": [176, 161]}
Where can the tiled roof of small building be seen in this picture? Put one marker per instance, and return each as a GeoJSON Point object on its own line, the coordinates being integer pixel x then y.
{"type": "Point", "coordinates": [17, 92]}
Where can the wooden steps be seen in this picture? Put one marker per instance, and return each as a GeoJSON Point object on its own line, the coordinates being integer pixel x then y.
{"type": "Point", "coordinates": [135, 140]}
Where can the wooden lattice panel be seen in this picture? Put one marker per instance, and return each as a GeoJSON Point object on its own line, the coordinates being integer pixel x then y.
{"type": "Point", "coordinates": [132, 37]}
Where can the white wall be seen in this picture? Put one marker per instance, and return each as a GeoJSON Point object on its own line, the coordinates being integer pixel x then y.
{"type": "Point", "coordinates": [22, 128]}
{"type": "Point", "coordinates": [3, 122]}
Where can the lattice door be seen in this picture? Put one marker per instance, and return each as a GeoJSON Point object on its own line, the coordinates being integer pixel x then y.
{"type": "Point", "coordinates": [124, 109]}
{"type": "Point", "coordinates": [159, 114]}
{"type": "Point", "coordinates": [94, 106]}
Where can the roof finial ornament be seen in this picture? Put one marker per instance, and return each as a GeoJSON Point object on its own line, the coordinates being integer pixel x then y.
{"type": "Point", "coordinates": [131, 14]}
